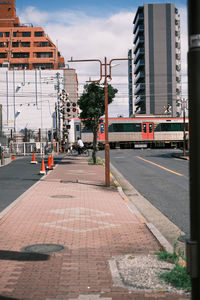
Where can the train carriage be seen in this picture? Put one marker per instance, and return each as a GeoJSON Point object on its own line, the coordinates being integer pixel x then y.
{"type": "Point", "coordinates": [137, 132]}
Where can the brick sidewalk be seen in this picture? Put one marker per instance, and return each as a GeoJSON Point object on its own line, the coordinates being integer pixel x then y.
{"type": "Point", "coordinates": [72, 208]}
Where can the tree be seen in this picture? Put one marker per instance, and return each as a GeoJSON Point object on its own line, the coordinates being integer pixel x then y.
{"type": "Point", "coordinates": [92, 105]}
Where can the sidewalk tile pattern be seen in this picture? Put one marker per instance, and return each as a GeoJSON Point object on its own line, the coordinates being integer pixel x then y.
{"type": "Point", "coordinates": [70, 207]}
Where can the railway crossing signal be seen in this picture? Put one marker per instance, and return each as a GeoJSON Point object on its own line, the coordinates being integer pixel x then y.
{"type": "Point", "coordinates": [73, 107]}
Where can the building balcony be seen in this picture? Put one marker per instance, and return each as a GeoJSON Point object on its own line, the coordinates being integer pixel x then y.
{"type": "Point", "coordinates": [140, 77]}
{"type": "Point", "coordinates": [139, 53]}
{"type": "Point", "coordinates": [139, 20]}
{"type": "Point", "coordinates": [139, 31]}
{"type": "Point", "coordinates": [140, 88]}
{"type": "Point", "coordinates": [139, 42]}
{"type": "Point", "coordinates": [140, 99]}
{"type": "Point", "coordinates": [178, 56]}
{"type": "Point", "coordinates": [178, 68]}
{"type": "Point", "coordinates": [139, 65]}
{"type": "Point", "coordinates": [178, 45]}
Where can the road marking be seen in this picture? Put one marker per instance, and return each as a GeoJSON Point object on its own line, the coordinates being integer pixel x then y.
{"type": "Point", "coordinates": [166, 169]}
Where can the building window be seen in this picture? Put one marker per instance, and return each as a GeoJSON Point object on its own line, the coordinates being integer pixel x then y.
{"type": "Point", "coordinates": [20, 66]}
{"type": "Point", "coordinates": [38, 33]}
{"type": "Point", "coordinates": [3, 44]}
{"type": "Point", "coordinates": [26, 34]}
{"type": "Point", "coordinates": [61, 65]}
{"type": "Point", "coordinates": [20, 55]}
{"type": "Point", "coordinates": [3, 55]}
{"type": "Point", "coordinates": [15, 44]}
{"type": "Point", "coordinates": [44, 54]}
{"type": "Point", "coordinates": [42, 44]}
{"type": "Point", "coordinates": [4, 34]}
{"type": "Point", "coordinates": [43, 66]}
{"type": "Point", "coordinates": [25, 44]}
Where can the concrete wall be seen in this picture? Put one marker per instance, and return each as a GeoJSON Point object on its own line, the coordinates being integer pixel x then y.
{"type": "Point", "coordinates": [28, 98]}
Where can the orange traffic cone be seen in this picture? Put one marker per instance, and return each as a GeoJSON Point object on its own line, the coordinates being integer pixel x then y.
{"type": "Point", "coordinates": [42, 171]}
{"type": "Point", "coordinates": [33, 159]}
{"type": "Point", "coordinates": [49, 167]}
{"type": "Point", "coordinates": [52, 162]}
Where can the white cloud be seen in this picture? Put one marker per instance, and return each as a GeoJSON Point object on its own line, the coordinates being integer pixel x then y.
{"type": "Point", "coordinates": [32, 15]}
{"type": "Point", "coordinates": [86, 37]}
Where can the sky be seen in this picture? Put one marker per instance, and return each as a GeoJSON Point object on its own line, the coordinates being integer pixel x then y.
{"type": "Point", "coordinates": [88, 29]}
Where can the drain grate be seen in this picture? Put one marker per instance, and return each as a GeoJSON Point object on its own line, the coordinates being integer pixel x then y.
{"type": "Point", "coordinates": [43, 248]}
{"type": "Point", "coordinates": [62, 196]}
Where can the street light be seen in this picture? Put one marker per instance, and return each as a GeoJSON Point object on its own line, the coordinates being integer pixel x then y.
{"type": "Point", "coordinates": [106, 75]}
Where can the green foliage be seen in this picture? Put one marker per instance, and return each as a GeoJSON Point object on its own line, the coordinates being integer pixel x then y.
{"type": "Point", "coordinates": [92, 104]}
{"type": "Point", "coordinates": [166, 256]}
{"type": "Point", "coordinates": [98, 162]}
{"type": "Point", "coordinates": [177, 277]}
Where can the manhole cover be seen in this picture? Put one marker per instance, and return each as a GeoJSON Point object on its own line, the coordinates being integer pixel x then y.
{"type": "Point", "coordinates": [43, 248]}
{"type": "Point", "coordinates": [61, 196]}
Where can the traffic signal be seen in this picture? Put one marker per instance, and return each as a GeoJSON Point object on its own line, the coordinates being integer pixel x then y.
{"type": "Point", "coordinates": [68, 106]}
{"type": "Point", "coordinates": [74, 107]}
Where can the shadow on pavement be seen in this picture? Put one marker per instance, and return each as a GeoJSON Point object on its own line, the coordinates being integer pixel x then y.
{"type": "Point", "coordinates": [7, 298]}
{"type": "Point", "coordinates": [22, 256]}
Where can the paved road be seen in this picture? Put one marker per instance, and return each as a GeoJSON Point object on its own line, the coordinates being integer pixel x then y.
{"type": "Point", "coordinates": [160, 178]}
{"type": "Point", "coordinates": [16, 178]}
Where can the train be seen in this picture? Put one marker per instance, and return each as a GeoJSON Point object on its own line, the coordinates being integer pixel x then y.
{"type": "Point", "coordinates": [138, 132]}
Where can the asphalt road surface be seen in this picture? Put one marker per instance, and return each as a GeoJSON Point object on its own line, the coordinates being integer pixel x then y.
{"type": "Point", "coordinates": [17, 177]}
{"type": "Point", "coordinates": [160, 178]}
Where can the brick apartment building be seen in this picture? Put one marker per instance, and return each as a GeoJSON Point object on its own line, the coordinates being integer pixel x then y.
{"type": "Point", "coordinates": [32, 73]}
{"type": "Point", "coordinates": [24, 46]}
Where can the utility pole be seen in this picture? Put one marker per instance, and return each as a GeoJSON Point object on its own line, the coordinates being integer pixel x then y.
{"type": "Point", "coordinates": [107, 146]}
{"type": "Point", "coordinates": [105, 75]}
{"type": "Point", "coordinates": [193, 245]}
{"type": "Point", "coordinates": [64, 109]}
{"type": "Point", "coordinates": [184, 103]}
{"type": "Point", "coordinates": [58, 108]}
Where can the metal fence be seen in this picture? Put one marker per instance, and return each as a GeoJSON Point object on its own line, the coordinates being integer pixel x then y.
{"type": "Point", "coordinates": [27, 148]}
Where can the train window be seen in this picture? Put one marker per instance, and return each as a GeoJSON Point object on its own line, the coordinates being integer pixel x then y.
{"type": "Point", "coordinates": [118, 127]}
{"type": "Point", "coordinates": [85, 129]}
{"type": "Point", "coordinates": [144, 127]}
{"type": "Point", "coordinates": [150, 128]}
{"type": "Point", "coordinates": [125, 127]}
{"type": "Point", "coordinates": [102, 128]}
{"type": "Point", "coordinates": [172, 127]}
{"type": "Point", "coordinates": [77, 127]}
{"type": "Point", "coordinates": [137, 127]}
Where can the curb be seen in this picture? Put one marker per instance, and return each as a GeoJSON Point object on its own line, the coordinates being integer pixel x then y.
{"type": "Point", "coordinates": [181, 157]}
{"type": "Point", "coordinates": [7, 161]}
{"type": "Point", "coordinates": [156, 233]}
